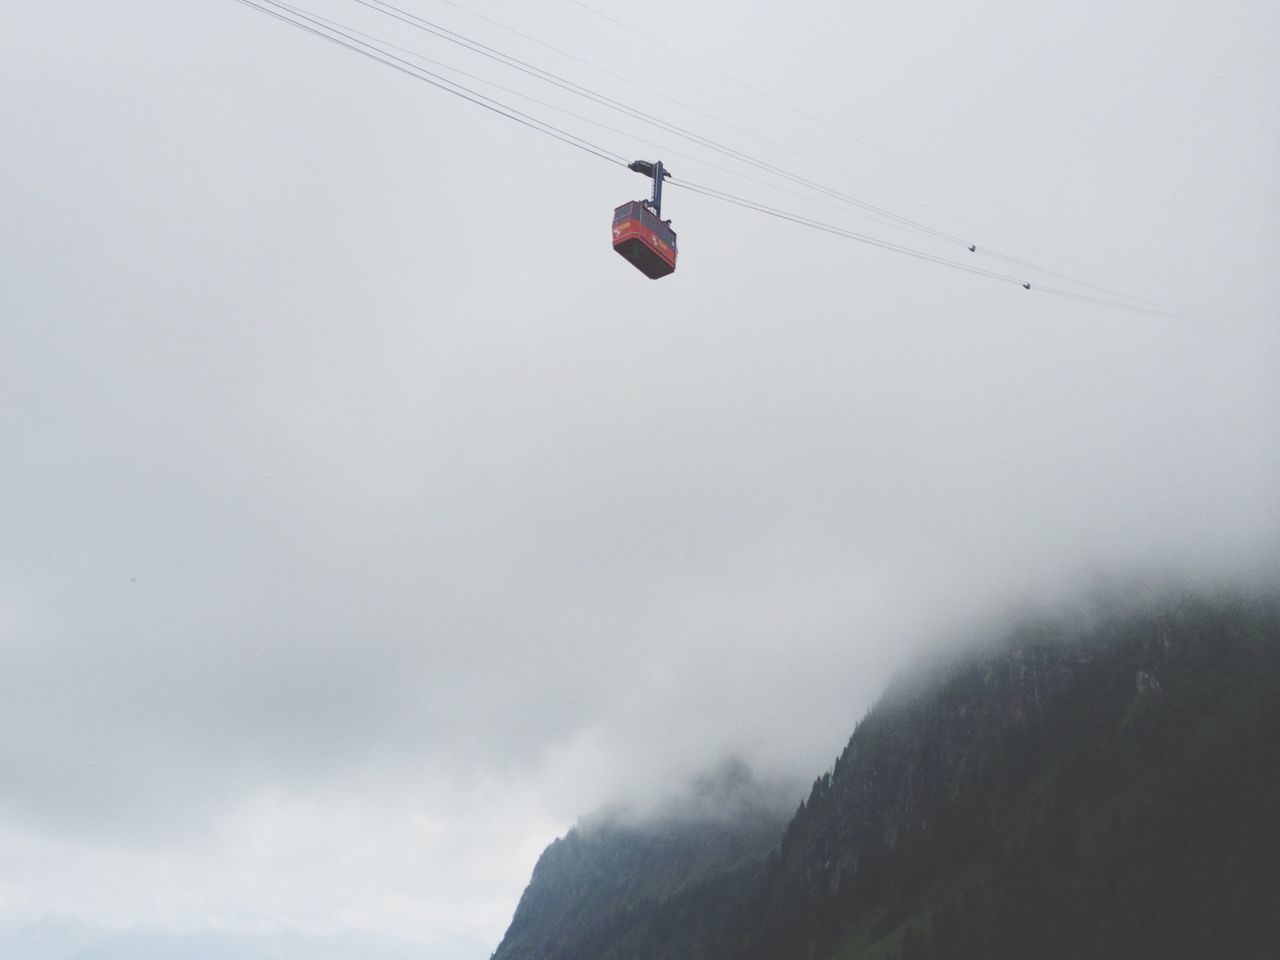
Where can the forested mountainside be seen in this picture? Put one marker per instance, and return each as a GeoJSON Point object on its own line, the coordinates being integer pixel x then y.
{"type": "Point", "coordinates": [1101, 791]}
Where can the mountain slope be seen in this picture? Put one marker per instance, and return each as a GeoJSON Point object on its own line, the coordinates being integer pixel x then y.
{"type": "Point", "coordinates": [593, 883]}
{"type": "Point", "coordinates": [1100, 791]}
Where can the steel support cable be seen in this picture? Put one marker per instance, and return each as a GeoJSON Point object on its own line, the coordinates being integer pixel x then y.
{"type": "Point", "coordinates": [982, 249]}
{"type": "Point", "coordinates": [1073, 280]}
{"type": "Point", "coordinates": [340, 33]}
{"type": "Point", "coordinates": [842, 232]}
{"type": "Point", "coordinates": [1114, 304]}
{"type": "Point", "coordinates": [844, 209]}
{"type": "Point", "coordinates": [574, 140]}
{"type": "Point", "coordinates": [715, 119]}
{"type": "Point", "coordinates": [339, 38]}
{"type": "Point", "coordinates": [383, 45]}
{"type": "Point", "coordinates": [917, 254]}
{"type": "Point", "coordinates": [452, 36]}
{"type": "Point", "coordinates": [629, 81]}
{"type": "Point", "coordinates": [318, 29]}
{"type": "Point", "coordinates": [844, 133]}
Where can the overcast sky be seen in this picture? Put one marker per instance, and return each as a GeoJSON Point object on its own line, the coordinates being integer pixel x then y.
{"type": "Point", "coordinates": [364, 519]}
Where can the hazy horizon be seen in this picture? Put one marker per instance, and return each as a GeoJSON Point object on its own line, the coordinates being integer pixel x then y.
{"type": "Point", "coordinates": [366, 519]}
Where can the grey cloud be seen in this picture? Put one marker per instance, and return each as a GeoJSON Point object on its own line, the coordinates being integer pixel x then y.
{"type": "Point", "coordinates": [340, 451]}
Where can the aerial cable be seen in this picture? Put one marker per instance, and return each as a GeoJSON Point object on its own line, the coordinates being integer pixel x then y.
{"type": "Point", "coordinates": [715, 119]}
{"type": "Point", "coordinates": [328, 30]}
{"type": "Point", "coordinates": [391, 10]}
{"type": "Point", "coordinates": [984, 250]}
{"type": "Point", "coordinates": [842, 208]}
{"type": "Point", "coordinates": [335, 35]}
{"type": "Point", "coordinates": [616, 76]}
{"type": "Point", "coordinates": [547, 76]}
{"type": "Point", "coordinates": [426, 76]}
{"type": "Point", "coordinates": [841, 231]}
{"type": "Point", "coordinates": [1159, 308]}
{"type": "Point", "coordinates": [1115, 304]}
{"type": "Point", "coordinates": [911, 252]}
{"type": "Point", "coordinates": [834, 129]}
{"type": "Point", "coordinates": [383, 45]}
{"type": "Point", "coordinates": [720, 73]}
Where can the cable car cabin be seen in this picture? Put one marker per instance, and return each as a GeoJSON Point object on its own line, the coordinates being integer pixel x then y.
{"type": "Point", "coordinates": [649, 243]}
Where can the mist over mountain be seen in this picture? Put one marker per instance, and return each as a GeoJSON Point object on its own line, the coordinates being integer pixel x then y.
{"type": "Point", "coordinates": [729, 793]}
{"type": "Point", "coordinates": [365, 519]}
{"type": "Point", "coordinates": [619, 861]}
{"type": "Point", "coordinates": [1101, 783]}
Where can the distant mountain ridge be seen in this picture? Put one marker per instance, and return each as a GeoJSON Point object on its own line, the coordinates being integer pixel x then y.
{"type": "Point", "coordinates": [1107, 790]}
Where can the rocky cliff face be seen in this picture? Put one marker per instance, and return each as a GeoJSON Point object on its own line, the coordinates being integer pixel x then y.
{"type": "Point", "coordinates": [926, 744]}
{"type": "Point", "coordinates": [1032, 799]}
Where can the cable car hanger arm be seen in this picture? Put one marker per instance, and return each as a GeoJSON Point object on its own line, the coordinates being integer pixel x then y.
{"type": "Point", "coordinates": [658, 173]}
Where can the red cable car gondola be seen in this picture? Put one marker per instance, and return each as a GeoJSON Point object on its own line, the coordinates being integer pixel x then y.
{"type": "Point", "coordinates": [639, 232]}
